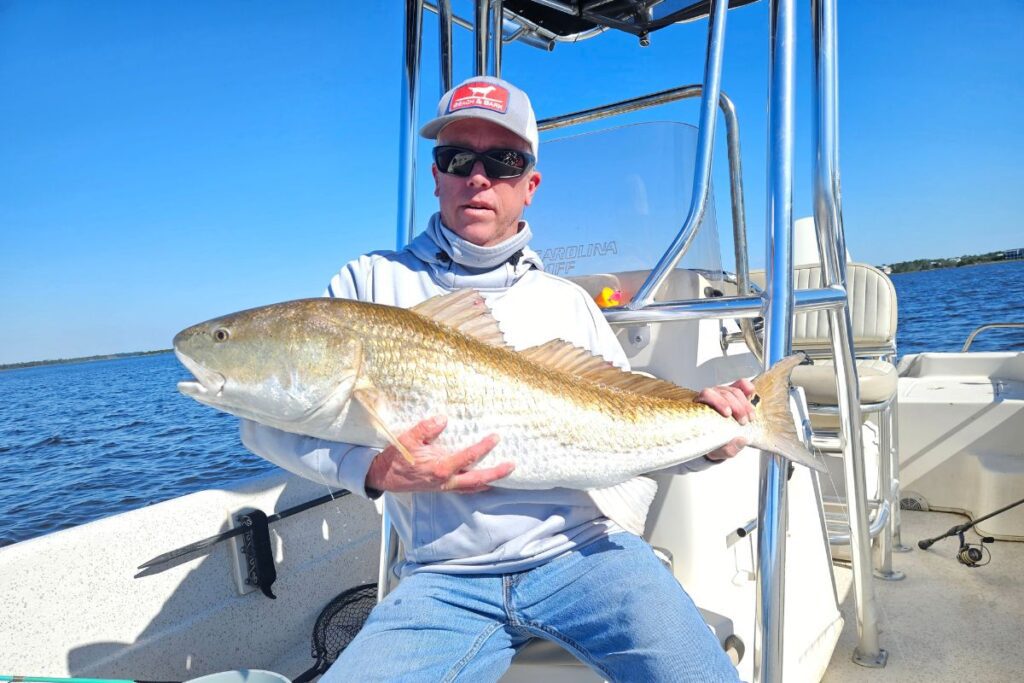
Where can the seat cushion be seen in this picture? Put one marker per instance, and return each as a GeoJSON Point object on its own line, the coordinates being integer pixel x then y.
{"type": "Point", "coordinates": [878, 381]}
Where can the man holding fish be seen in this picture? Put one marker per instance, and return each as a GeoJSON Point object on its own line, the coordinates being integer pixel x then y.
{"type": "Point", "coordinates": [487, 567]}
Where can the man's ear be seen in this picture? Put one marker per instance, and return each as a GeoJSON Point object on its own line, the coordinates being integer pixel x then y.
{"type": "Point", "coordinates": [531, 187]}
{"type": "Point", "coordinates": [437, 187]}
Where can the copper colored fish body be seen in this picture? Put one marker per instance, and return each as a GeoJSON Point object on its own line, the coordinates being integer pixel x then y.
{"type": "Point", "coordinates": [363, 373]}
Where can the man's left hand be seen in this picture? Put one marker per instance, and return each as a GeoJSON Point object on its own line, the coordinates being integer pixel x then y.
{"type": "Point", "coordinates": [730, 401]}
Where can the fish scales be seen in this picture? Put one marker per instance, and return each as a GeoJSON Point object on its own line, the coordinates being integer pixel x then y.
{"type": "Point", "coordinates": [554, 426]}
{"type": "Point", "coordinates": [363, 373]}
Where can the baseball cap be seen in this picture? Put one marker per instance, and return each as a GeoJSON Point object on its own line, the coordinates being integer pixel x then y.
{"type": "Point", "coordinates": [491, 99]}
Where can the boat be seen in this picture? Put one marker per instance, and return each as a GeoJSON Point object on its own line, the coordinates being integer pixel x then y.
{"type": "Point", "coordinates": [801, 577]}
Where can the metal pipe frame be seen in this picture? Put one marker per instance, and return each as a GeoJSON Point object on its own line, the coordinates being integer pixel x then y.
{"type": "Point", "coordinates": [883, 542]}
{"type": "Point", "coordinates": [559, 5]}
{"type": "Point", "coordinates": [888, 468]}
{"type": "Point", "coordinates": [982, 328]}
{"type": "Point", "coordinates": [894, 423]}
{"type": "Point", "coordinates": [406, 214]}
{"type": "Point", "coordinates": [875, 529]}
{"type": "Point", "coordinates": [497, 25]}
{"type": "Point", "coordinates": [733, 307]}
{"type": "Point", "coordinates": [897, 538]}
{"type": "Point", "coordinates": [444, 23]}
{"type": "Point", "coordinates": [389, 543]}
{"type": "Point", "coordinates": [832, 250]}
{"type": "Point", "coordinates": [407, 127]}
{"type": "Point", "coordinates": [778, 338]}
{"type": "Point", "coordinates": [710, 93]}
{"type": "Point", "coordinates": [480, 38]}
{"type": "Point", "coordinates": [526, 31]}
{"type": "Point", "coordinates": [632, 105]}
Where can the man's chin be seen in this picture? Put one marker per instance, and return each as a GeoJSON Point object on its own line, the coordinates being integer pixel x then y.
{"type": "Point", "coordinates": [480, 233]}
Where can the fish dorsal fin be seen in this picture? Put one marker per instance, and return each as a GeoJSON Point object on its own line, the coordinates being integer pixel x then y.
{"type": "Point", "coordinates": [564, 357]}
{"type": "Point", "coordinates": [466, 311]}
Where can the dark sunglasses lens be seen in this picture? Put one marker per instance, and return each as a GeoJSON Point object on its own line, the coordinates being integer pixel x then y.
{"type": "Point", "coordinates": [504, 163]}
{"type": "Point", "coordinates": [498, 163]}
{"type": "Point", "coordinates": [454, 161]}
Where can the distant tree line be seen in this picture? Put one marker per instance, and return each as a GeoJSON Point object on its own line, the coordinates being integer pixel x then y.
{"type": "Point", "coordinates": [955, 262]}
{"type": "Point", "coordinates": [83, 359]}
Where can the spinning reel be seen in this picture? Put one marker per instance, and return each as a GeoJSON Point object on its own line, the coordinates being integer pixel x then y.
{"type": "Point", "coordinates": [974, 554]}
{"type": "Point", "coordinates": [970, 554]}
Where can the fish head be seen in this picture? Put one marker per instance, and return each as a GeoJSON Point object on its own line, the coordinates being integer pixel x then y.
{"type": "Point", "coordinates": [285, 365]}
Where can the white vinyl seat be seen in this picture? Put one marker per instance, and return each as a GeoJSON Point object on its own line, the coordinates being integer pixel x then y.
{"type": "Point", "coordinates": [872, 300]}
{"type": "Point", "coordinates": [877, 380]}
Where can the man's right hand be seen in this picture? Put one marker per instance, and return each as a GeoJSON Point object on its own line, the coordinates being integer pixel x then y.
{"type": "Point", "coordinates": [434, 469]}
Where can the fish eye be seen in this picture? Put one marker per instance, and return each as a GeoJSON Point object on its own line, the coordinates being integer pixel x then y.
{"type": "Point", "coordinates": [221, 334]}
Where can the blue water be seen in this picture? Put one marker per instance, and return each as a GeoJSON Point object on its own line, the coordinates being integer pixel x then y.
{"type": "Point", "coordinates": [81, 441]}
{"type": "Point", "coordinates": [938, 309]}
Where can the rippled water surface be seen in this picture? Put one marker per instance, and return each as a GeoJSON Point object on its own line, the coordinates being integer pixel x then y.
{"type": "Point", "coordinates": [81, 441]}
{"type": "Point", "coordinates": [939, 308]}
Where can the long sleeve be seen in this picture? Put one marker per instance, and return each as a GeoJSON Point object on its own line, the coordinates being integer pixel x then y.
{"type": "Point", "coordinates": [328, 462]}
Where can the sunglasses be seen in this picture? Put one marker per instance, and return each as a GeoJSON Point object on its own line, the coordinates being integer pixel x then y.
{"type": "Point", "coordinates": [498, 163]}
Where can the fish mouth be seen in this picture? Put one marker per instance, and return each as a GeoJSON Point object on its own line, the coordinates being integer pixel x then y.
{"type": "Point", "coordinates": [208, 382]}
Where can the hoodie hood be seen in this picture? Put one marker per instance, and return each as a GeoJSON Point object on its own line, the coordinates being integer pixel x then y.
{"type": "Point", "coordinates": [458, 264]}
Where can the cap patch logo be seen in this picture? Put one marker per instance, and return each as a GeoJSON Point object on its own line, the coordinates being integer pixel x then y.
{"type": "Point", "coordinates": [481, 95]}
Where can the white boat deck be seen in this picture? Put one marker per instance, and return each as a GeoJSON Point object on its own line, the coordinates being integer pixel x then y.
{"type": "Point", "coordinates": [945, 621]}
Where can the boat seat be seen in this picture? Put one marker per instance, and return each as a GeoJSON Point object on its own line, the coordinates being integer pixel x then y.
{"type": "Point", "coordinates": [872, 309]}
{"type": "Point", "coordinates": [878, 380]}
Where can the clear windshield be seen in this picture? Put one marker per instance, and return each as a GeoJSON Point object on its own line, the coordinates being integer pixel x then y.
{"type": "Point", "coordinates": [613, 200]}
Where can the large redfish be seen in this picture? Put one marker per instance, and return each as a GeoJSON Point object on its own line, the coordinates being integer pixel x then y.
{"type": "Point", "coordinates": [362, 373]}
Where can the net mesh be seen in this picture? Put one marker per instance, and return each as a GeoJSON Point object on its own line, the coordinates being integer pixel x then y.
{"type": "Point", "coordinates": [337, 626]}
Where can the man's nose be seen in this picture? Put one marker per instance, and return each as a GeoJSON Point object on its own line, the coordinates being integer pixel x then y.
{"type": "Point", "coordinates": [478, 177]}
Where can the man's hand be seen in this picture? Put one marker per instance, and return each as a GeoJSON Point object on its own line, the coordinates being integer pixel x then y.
{"type": "Point", "coordinates": [435, 469]}
{"type": "Point", "coordinates": [731, 401]}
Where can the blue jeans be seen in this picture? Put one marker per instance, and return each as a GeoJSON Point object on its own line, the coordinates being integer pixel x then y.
{"type": "Point", "coordinates": [612, 604]}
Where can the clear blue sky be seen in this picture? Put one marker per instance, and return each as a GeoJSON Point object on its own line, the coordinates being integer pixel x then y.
{"type": "Point", "coordinates": [165, 162]}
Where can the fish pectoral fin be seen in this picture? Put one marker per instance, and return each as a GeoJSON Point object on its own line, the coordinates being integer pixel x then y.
{"type": "Point", "coordinates": [628, 503]}
{"type": "Point", "coordinates": [371, 400]}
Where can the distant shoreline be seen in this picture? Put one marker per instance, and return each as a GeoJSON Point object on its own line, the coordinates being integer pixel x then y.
{"type": "Point", "coordinates": [82, 359]}
{"type": "Point", "coordinates": [954, 267]}
{"type": "Point", "coordinates": [918, 265]}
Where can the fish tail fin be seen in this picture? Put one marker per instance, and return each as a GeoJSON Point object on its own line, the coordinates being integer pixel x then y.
{"type": "Point", "coordinates": [778, 431]}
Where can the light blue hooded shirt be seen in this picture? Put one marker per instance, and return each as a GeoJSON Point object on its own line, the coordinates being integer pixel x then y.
{"type": "Point", "coordinates": [500, 530]}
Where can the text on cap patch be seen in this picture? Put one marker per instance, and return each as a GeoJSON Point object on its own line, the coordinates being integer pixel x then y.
{"type": "Point", "coordinates": [482, 95]}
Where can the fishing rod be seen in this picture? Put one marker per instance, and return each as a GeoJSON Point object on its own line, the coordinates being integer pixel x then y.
{"type": "Point", "coordinates": [969, 554]}
{"type": "Point", "coordinates": [51, 679]}
{"type": "Point", "coordinates": [232, 676]}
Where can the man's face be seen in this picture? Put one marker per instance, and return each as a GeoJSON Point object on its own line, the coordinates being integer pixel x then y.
{"type": "Point", "coordinates": [482, 210]}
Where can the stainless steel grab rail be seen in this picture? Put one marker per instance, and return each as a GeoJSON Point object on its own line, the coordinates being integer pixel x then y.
{"type": "Point", "coordinates": [987, 326]}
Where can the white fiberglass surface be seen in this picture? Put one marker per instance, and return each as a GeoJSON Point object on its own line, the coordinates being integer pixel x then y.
{"type": "Point", "coordinates": [613, 201]}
